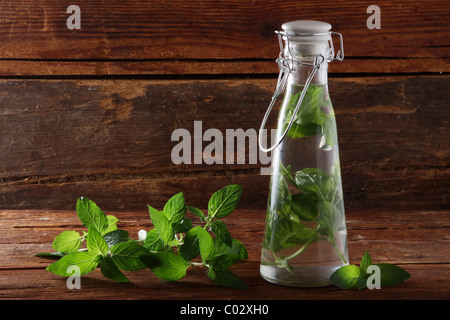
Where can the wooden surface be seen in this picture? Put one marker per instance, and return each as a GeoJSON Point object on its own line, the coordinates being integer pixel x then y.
{"type": "Point", "coordinates": [90, 112]}
{"type": "Point", "coordinates": [111, 140]}
{"type": "Point", "coordinates": [415, 240]}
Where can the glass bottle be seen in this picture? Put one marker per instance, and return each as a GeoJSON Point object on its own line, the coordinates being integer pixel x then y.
{"type": "Point", "coordinates": [305, 237]}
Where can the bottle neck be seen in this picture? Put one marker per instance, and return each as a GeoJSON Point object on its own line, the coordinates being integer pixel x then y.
{"type": "Point", "coordinates": [304, 54]}
{"type": "Point", "coordinates": [301, 73]}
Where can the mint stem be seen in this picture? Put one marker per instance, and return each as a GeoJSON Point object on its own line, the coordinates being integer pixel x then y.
{"type": "Point", "coordinates": [303, 248]}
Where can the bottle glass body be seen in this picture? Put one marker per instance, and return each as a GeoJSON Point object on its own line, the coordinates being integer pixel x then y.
{"type": "Point", "coordinates": [305, 238]}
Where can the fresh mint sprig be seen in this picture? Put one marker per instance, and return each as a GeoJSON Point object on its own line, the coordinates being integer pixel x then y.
{"type": "Point", "coordinates": [169, 249]}
{"type": "Point", "coordinates": [355, 277]}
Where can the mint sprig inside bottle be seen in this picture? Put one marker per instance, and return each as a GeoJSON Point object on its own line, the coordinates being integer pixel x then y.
{"type": "Point", "coordinates": [305, 237]}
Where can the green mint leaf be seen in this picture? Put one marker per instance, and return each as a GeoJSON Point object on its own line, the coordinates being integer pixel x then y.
{"type": "Point", "coordinates": [283, 262]}
{"type": "Point", "coordinates": [86, 261]}
{"type": "Point", "coordinates": [67, 242]}
{"type": "Point", "coordinates": [126, 255]}
{"type": "Point", "coordinates": [346, 277]}
{"type": "Point", "coordinates": [237, 249]}
{"type": "Point", "coordinates": [317, 182]}
{"type": "Point", "coordinates": [206, 243]}
{"type": "Point", "coordinates": [311, 105]}
{"type": "Point", "coordinates": [183, 226]}
{"type": "Point", "coordinates": [220, 230]}
{"type": "Point", "coordinates": [361, 283]}
{"type": "Point", "coordinates": [95, 243]}
{"type": "Point", "coordinates": [310, 110]}
{"type": "Point", "coordinates": [195, 211]}
{"type": "Point", "coordinates": [304, 206]}
{"type": "Point", "coordinates": [117, 236]}
{"type": "Point", "coordinates": [224, 255]}
{"type": "Point", "coordinates": [392, 274]}
{"type": "Point", "coordinates": [162, 225]}
{"type": "Point", "coordinates": [330, 218]}
{"type": "Point", "coordinates": [226, 278]}
{"type": "Point", "coordinates": [224, 201]}
{"type": "Point", "coordinates": [112, 224]}
{"type": "Point", "coordinates": [329, 132]}
{"type": "Point", "coordinates": [91, 215]}
{"type": "Point", "coordinates": [111, 271]}
{"type": "Point", "coordinates": [300, 130]}
{"type": "Point", "coordinates": [51, 255]}
{"type": "Point", "coordinates": [153, 242]}
{"type": "Point", "coordinates": [354, 277]}
{"type": "Point", "coordinates": [190, 247]}
{"type": "Point", "coordinates": [287, 232]}
{"type": "Point", "coordinates": [366, 261]}
{"type": "Point", "coordinates": [166, 265]}
{"type": "Point", "coordinates": [175, 208]}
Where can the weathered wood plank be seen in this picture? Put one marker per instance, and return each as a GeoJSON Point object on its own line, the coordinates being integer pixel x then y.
{"type": "Point", "coordinates": [380, 119]}
{"type": "Point", "coordinates": [71, 68]}
{"type": "Point", "coordinates": [209, 30]}
{"type": "Point", "coordinates": [401, 237]}
{"type": "Point", "coordinates": [112, 139]}
{"type": "Point", "coordinates": [428, 282]}
{"type": "Point", "coordinates": [409, 239]}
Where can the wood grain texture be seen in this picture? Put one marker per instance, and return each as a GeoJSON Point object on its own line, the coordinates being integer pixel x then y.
{"type": "Point", "coordinates": [35, 33]}
{"type": "Point", "coordinates": [112, 140]}
{"type": "Point", "coordinates": [415, 240]}
{"type": "Point", "coordinates": [90, 112]}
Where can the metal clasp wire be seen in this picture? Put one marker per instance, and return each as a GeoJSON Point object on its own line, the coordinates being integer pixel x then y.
{"type": "Point", "coordinates": [280, 88]}
{"type": "Point", "coordinates": [340, 54]}
{"type": "Point", "coordinates": [286, 65]}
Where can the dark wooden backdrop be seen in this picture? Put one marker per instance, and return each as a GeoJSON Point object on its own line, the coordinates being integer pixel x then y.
{"type": "Point", "coordinates": [90, 112]}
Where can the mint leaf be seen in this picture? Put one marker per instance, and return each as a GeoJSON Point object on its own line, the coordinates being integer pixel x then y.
{"type": "Point", "coordinates": [166, 265]}
{"type": "Point", "coordinates": [392, 274]}
{"type": "Point", "coordinates": [162, 225]}
{"type": "Point", "coordinates": [310, 117]}
{"type": "Point", "coordinates": [86, 261]}
{"type": "Point", "coordinates": [167, 249]}
{"type": "Point", "coordinates": [365, 262]}
{"type": "Point", "coordinates": [300, 130]}
{"type": "Point", "coordinates": [183, 226]}
{"type": "Point", "coordinates": [224, 201]}
{"type": "Point", "coordinates": [224, 256]}
{"type": "Point", "coordinates": [304, 206]}
{"type": "Point", "coordinates": [316, 181]}
{"type": "Point", "coordinates": [91, 215]}
{"type": "Point", "coordinates": [206, 243]}
{"type": "Point", "coordinates": [195, 211]}
{"type": "Point", "coordinates": [190, 248]}
{"type": "Point", "coordinates": [329, 218]}
{"type": "Point", "coordinates": [197, 241]}
{"type": "Point", "coordinates": [126, 255]}
{"type": "Point", "coordinates": [329, 132]}
{"type": "Point", "coordinates": [112, 223]}
{"type": "Point", "coordinates": [220, 230]}
{"type": "Point", "coordinates": [175, 208]}
{"type": "Point", "coordinates": [153, 242]}
{"type": "Point", "coordinates": [354, 277]}
{"type": "Point", "coordinates": [67, 242]}
{"type": "Point", "coordinates": [117, 236]}
{"type": "Point", "coordinates": [95, 243]}
{"type": "Point", "coordinates": [51, 255]}
{"type": "Point", "coordinates": [111, 271]}
{"type": "Point", "coordinates": [346, 277]}
{"type": "Point", "coordinates": [288, 233]}
{"type": "Point", "coordinates": [226, 278]}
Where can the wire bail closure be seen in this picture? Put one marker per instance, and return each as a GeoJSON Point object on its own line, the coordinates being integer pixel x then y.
{"type": "Point", "coordinates": [286, 65]}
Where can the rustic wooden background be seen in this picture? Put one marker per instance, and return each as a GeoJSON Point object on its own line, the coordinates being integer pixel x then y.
{"type": "Point", "coordinates": [90, 112]}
